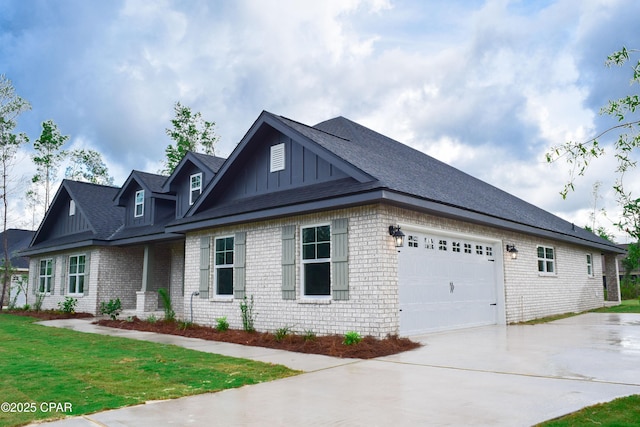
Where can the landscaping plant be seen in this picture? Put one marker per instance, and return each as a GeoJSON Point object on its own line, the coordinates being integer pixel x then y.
{"type": "Point", "coordinates": [351, 338]}
{"type": "Point", "coordinates": [281, 333]}
{"type": "Point", "coordinates": [222, 324]}
{"type": "Point", "coordinates": [169, 314]}
{"type": "Point", "coordinates": [67, 306]}
{"type": "Point", "coordinates": [113, 308]}
{"type": "Point", "coordinates": [248, 316]}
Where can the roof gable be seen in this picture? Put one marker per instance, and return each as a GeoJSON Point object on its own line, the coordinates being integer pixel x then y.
{"type": "Point", "coordinates": [247, 173]}
{"type": "Point", "coordinates": [203, 162]}
{"type": "Point", "coordinates": [151, 183]}
{"type": "Point", "coordinates": [96, 217]}
{"type": "Point", "coordinates": [17, 240]}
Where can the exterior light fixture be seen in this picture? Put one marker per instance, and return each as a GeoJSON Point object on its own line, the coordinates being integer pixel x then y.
{"type": "Point", "coordinates": [513, 251]}
{"type": "Point", "coordinates": [398, 236]}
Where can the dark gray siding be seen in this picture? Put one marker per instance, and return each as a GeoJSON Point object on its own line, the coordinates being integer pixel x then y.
{"type": "Point", "coordinates": [182, 187]}
{"type": "Point", "coordinates": [302, 168]}
{"type": "Point", "coordinates": [65, 224]}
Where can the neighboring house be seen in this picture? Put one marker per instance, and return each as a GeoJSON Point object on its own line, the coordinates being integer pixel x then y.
{"type": "Point", "coordinates": [308, 221]}
{"type": "Point", "coordinates": [633, 274]}
{"type": "Point", "coordinates": [17, 240]}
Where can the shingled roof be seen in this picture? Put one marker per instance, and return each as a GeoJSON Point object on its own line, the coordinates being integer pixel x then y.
{"type": "Point", "coordinates": [402, 175]}
{"type": "Point", "coordinates": [17, 240]}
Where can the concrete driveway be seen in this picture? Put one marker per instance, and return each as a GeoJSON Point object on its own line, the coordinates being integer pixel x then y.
{"type": "Point", "coordinates": [497, 375]}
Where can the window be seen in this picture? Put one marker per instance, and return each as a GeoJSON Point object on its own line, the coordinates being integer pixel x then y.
{"type": "Point", "coordinates": [316, 261]}
{"type": "Point", "coordinates": [195, 187]}
{"type": "Point", "coordinates": [139, 208]}
{"type": "Point", "coordinates": [428, 243]}
{"type": "Point", "coordinates": [546, 260]}
{"type": "Point", "coordinates": [488, 250]}
{"type": "Point", "coordinates": [589, 265]}
{"type": "Point", "coordinates": [224, 266]}
{"type": "Point", "coordinates": [46, 275]}
{"type": "Point", "coordinates": [479, 250]}
{"type": "Point", "coordinates": [455, 246]}
{"type": "Point", "coordinates": [467, 248]}
{"type": "Point", "coordinates": [76, 274]}
{"type": "Point", "coordinates": [72, 208]}
{"type": "Point", "coordinates": [412, 241]}
{"type": "Point", "coordinates": [442, 245]}
{"type": "Point", "coordinates": [277, 158]}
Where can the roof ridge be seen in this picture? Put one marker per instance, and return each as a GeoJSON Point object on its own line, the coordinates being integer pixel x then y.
{"type": "Point", "coordinates": [314, 128]}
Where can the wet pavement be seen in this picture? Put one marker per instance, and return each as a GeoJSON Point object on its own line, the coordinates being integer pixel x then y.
{"type": "Point", "coordinates": [497, 375]}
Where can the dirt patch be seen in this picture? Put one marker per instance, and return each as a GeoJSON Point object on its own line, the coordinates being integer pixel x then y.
{"type": "Point", "coordinates": [48, 314]}
{"type": "Point", "coordinates": [331, 345]}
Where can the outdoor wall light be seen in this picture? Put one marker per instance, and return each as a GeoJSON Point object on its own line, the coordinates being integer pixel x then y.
{"type": "Point", "coordinates": [398, 236]}
{"type": "Point", "coordinates": [513, 251]}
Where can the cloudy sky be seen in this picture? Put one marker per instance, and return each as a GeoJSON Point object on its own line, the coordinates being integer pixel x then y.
{"type": "Point", "coordinates": [486, 86]}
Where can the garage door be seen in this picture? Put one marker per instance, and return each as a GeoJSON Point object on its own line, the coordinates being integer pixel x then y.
{"type": "Point", "coordinates": [445, 283]}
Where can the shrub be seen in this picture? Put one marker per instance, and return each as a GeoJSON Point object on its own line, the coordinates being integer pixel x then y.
{"type": "Point", "coordinates": [351, 338]}
{"type": "Point", "coordinates": [222, 324]}
{"type": "Point", "coordinates": [169, 314]}
{"type": "Point", "coordinates": [111, 308]}
{"type": "Point", "coordinates": [309, 335]}
{"type": "Point", "coordinates": [281, 333]}
{"type": "Point", "coordinates": [183, 326]}
{"type": "Point", "coordinates": [152, 319]}
{"type": "Point", "coordinates": [248, 316]}
{"type": "Point", "coordinates": [629, 288]}
{"type": "Point", "coordinates": [68, 305]}
{"type": "Point", "coordinates": [37, 305]}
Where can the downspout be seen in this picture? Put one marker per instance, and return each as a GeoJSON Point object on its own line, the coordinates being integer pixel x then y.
{"type": "Point", "coordinates": [191, 303]}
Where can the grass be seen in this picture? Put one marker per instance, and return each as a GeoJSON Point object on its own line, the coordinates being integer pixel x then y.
{"type": "Point", "coordinates": [91, 373]}
{"type": "Point", "coordinates": [624, 411]}
{"type": "Point", "coordinates": [627, 306]}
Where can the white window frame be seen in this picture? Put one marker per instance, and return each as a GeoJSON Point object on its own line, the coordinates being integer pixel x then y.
{"type": "Point", "coordinates": [304, 262]}
{"type": "Point", "coordinates": [277, 159]}
{"type": "Point", "coordinates": [45, 281]}
{"type": "Point", "coordinates": [590, 265]}
{"type": "Point", "coordinates": [138, 203]}
{"type": "Point", "coordinates": [545, 261]}
{"type": "Point", "coordinates": [193, 188]}
{"type": "Point", "coordinates": [72, 207]}
{"type": "Point", "coordinates": [77, 275]}
{"type": "Point", "coordinates": [217, 267]}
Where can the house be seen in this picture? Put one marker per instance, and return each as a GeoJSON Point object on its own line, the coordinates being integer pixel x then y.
{"type": "Point", "coordinates": [17, 240]}
{"type": "Point", "coordinates": [329, 228]}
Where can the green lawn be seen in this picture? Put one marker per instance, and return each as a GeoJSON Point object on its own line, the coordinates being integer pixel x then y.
{"type": "Point", "coordinates": [619, 412]}
{"type": "Point", "coordinates": [84, 373]}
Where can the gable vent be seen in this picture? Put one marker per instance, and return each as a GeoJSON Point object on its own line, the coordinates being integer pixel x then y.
{"type": "Point", "coordinates": [277, 157]}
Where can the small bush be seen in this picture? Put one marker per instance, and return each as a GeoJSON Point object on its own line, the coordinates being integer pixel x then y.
{"type": "Point", "coordinates": [68, 305]}
{"type": "Point", "coordinates": [309, 335]}
{"type": "Point", "coordinates": [169, 314]}
{"type": "Point", "coordinates": [351, 338]}
{"type": "Point", "coordinates": [630, 288]}
{"type": "Point", "coordinates": [152, 319]}
{"type": "Point", "coordinates": [184, 325]}
{"type": "Point", "coordinates": [222, 324]}
{"type": "Point", "coordinates": [111, 308]}
{"type": "Point", "coordinates": [248, 315]}
{"type": "Point", "coordinates": [37, 305]}
{"type": "Point", "coordinates": [281, 333]}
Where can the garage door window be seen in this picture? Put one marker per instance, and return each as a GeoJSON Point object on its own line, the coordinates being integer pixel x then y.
{"type": "Point", "coordinates": [546, 260]}
{"type": "Point", "coordinates": [442, 245]}
{"type": "Point", "coordinates": [316, 261]}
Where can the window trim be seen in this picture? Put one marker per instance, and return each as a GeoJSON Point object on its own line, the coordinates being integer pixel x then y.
{"type": "Point", "coordinates": [192, 188]}
{"type": "Point", "coordinates": [76, 275]}
{"type": "Point", "coordinates": [45, 276]}
{"type": "Point", "coordinates": [546, 260]}
{"type": "Point", "coordinates": [136, 204]}
{"type": "Point", "coordinates": [304, 262]}
{"type": "Point", "coordinates": [590, 272]}
{"type": "Point", "coordinates": [216, 266]}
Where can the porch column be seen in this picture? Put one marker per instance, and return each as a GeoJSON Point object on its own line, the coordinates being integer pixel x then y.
{"type": "Point", "coordinates": [147, 297]}
{"type": "Point", "coordinates": [612, 275]}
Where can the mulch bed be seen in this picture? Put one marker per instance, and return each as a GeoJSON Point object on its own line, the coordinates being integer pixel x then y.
{"type": "Point", "coordinates": [48, 314]}
{"type": "Point", "coordinates": [331, 345]}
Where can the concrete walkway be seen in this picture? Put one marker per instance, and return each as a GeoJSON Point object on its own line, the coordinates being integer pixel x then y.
{"type": "Point", "coordinates": [511, 376]}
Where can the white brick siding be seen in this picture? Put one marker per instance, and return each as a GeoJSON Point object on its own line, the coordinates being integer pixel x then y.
{"type": "Point", "coordinates": [372, 308]}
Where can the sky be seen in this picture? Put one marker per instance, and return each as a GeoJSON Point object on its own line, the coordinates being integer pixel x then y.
{"type": "Point", "coordinates": [485, 86]}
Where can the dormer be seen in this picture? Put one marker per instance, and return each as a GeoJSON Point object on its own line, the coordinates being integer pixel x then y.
{"type": "Point", "coordinates": [144, 200]}
{"type": "Point", "coordinates": [189, 178]}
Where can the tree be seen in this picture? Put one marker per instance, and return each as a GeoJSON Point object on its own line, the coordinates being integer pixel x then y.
{"type": "Point", "coordinates": [190, 133]}
{"type": "Point", "coordinates": [11, 106]}
{"type": "Point", "coordinates": [49, 154]}
{"type": "Point", "coordinates": [88, 166]}
{"type": "Point", "coordinates": [579, 155]}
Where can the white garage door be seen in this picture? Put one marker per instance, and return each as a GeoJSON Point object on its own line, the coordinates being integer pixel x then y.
{"type": "Point", "coordinates": [445, 283]}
